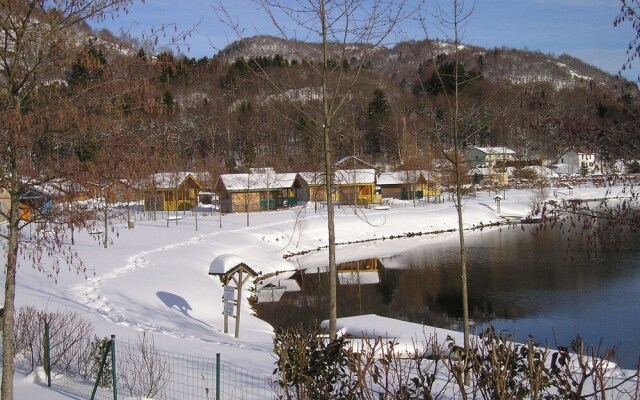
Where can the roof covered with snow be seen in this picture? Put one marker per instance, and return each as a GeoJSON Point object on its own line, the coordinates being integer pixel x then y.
{"type": "Point", "coordinates": [343, 177]}
{"type": "Point", "coordinates": [226, 264]}
{"type": "Point", "coordinates": [401, 177]}
{"type": "Point", "coordinates": [542, 172]}
{"type": "Point", "coordinates": [495, 150]}
{"type": "Point", "coordinates": [258, 182]}
{"type": "Point", "coordinates": [169, 180]}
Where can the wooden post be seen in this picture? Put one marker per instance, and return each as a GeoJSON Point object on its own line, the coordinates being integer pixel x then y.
{"type": "Point", "coordinates": [238, 302]}
{"type": "Point", "coordinates": [239, 275]}
{"type": "Point", "coordinates": [226, 317]}
{"type": "Point", "coordinates": [239, 283]}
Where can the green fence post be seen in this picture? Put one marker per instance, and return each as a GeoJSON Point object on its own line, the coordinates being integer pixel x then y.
{"type": "Point", "coordinates": [217, 376]}
{"type": "Point", "coordinates": [113, 367]}
{"type": "Point", "coordinates": [47, 354]}
{"type": "Point", "coordinates": [104, 361]}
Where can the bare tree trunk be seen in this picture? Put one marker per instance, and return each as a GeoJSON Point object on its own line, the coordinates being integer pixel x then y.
{"type": "Point", "coordinates": [459, 170]}
{"type": "Point", "coordinates": [328, 179]}
{"type": "Point", "coordinates": [8, 333]}
{"type": "Point", "coordinates": [105, 216]}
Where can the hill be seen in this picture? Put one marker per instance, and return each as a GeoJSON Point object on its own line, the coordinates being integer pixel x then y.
{"type": "Point", "coordinates": [498, 65]}
{"type": "Point", "coordinates": [217, 114]}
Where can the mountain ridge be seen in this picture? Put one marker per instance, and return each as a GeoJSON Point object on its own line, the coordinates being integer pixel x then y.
{"type": "Point", "coordinates": [403, 60]}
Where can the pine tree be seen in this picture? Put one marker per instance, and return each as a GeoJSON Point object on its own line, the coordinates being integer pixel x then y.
{"type": "Point", "coordinates": [378, 120]}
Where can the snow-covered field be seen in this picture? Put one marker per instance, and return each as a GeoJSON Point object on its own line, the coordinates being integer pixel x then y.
{"type": "Point", "coordinates": [154, 277]}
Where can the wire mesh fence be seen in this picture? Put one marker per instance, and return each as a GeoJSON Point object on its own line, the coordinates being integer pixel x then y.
{"type": "Point", "coordinates": [144, 372]}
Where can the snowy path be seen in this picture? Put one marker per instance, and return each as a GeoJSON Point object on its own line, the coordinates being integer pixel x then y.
{"type": "Point", "coordinates": [105, 296]}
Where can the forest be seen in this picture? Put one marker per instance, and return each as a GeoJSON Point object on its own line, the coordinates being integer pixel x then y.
{"type": "Point", "coordinates": [237, 110]}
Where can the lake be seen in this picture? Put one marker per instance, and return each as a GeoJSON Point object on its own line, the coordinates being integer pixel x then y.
{"type": "Point", "coordinates": [540, 284]}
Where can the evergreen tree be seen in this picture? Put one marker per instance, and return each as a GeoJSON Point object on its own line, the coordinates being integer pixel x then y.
{"type": "Point", "coordinates": [88, 68]}
{"type": "Point", "coordinates": [378, 119]}
{"type": "Point", "coordinates": [444, 82]}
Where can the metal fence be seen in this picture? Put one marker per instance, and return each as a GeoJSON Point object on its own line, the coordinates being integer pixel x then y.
{"type": "Point", "coordinates": [143, 372]}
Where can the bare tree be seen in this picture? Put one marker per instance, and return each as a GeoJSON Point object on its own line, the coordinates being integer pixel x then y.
{"type": "Point", "coordinates": [147, 372]}
{"type": "Point", "coordinates": [630, 13]}
{"type": "Point", "coordinates": [59, 99]}
{"type": "Point", "coordinates": [348, 32]}
{"type": "Point", "coordinates": [453, 20]}
{"type": "Point", "coordinates": [35, 46]}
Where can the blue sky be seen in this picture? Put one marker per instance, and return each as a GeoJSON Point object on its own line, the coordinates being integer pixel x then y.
{"type": "Point", "coordinates": [581, 28]}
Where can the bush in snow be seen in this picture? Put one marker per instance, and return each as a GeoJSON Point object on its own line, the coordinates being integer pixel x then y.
{"type": "Point", "coordinates": [70, 339]}
{"type": "Point", "coordinates": [141, 370]}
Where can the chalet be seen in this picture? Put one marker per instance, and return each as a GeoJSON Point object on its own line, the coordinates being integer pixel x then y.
{"type": "Point", "coordinates": [351, 186]}
{"type": "Point", "coordinates": [170, 191]}
{"type": "Point", "coordinates": [36, 203]}
{"type": "Point", "coordinates": [576, 160]}
{"type": "Point", "coordinates": [316, 187]}
{"type": "Point", "coordinates": [488, 156]}
{"type": "Point", "coordinates": [259, 191]}
{"type": "Point", "coordinates": [406, 185]}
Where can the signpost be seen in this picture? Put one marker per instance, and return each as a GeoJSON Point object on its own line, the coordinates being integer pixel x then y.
{"type": "Point", "coordinates": [228, 301]}
{"type": "Point", "coordinates": [230, 268]}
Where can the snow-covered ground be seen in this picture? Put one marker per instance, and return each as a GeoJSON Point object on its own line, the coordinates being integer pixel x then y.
{"type": "Point", "coordinates": [154, 277]}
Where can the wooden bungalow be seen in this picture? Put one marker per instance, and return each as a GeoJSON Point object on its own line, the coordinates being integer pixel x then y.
{"type": "Point", "coordinates": [36, 203]}
{"type": "Point", "coordinates": [350, 186]}
{"type": "Point", "coordinates": [357, 186]}
{"type": "Point", "coordinates": [170, 191]}
{"type": "Point", "coordinates": [407, 185]}
{"type": "Point", "coordinates": [259, 191]}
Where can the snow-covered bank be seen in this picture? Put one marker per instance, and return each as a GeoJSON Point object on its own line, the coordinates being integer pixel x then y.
{"type": "Point", "coordinates": [154, 277]}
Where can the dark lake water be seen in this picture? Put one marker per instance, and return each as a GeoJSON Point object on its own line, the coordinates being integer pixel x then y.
{"type": "Point", "coordinates": [544, 285]}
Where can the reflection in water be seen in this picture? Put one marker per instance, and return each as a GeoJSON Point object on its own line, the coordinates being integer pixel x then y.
{"type": "Point", "coordinates": [542, 285]}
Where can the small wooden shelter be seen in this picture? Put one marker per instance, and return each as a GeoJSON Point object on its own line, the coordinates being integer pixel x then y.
{"type": "Point", "coordinates": [259, 191]}
{"type": "Point", "coordinates": [407, 185]}
{"type": "Point", "coordinates": [350, 186]}
{"type": "Point", "coordinates": [36, 203]}
{"type": "Point", "coordinates": [170, 191]}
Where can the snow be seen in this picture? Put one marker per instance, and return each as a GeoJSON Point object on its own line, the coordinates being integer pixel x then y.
{"type": "Point", "coordinates": [156, 279]}
{"type": "Point", "coordinates": [407, 336]}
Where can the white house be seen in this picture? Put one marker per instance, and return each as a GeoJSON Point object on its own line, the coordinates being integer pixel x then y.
{"type": "Point", "coordinates": [488, 156]}
{"type": "Point", "coordinates": [575, 158]}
